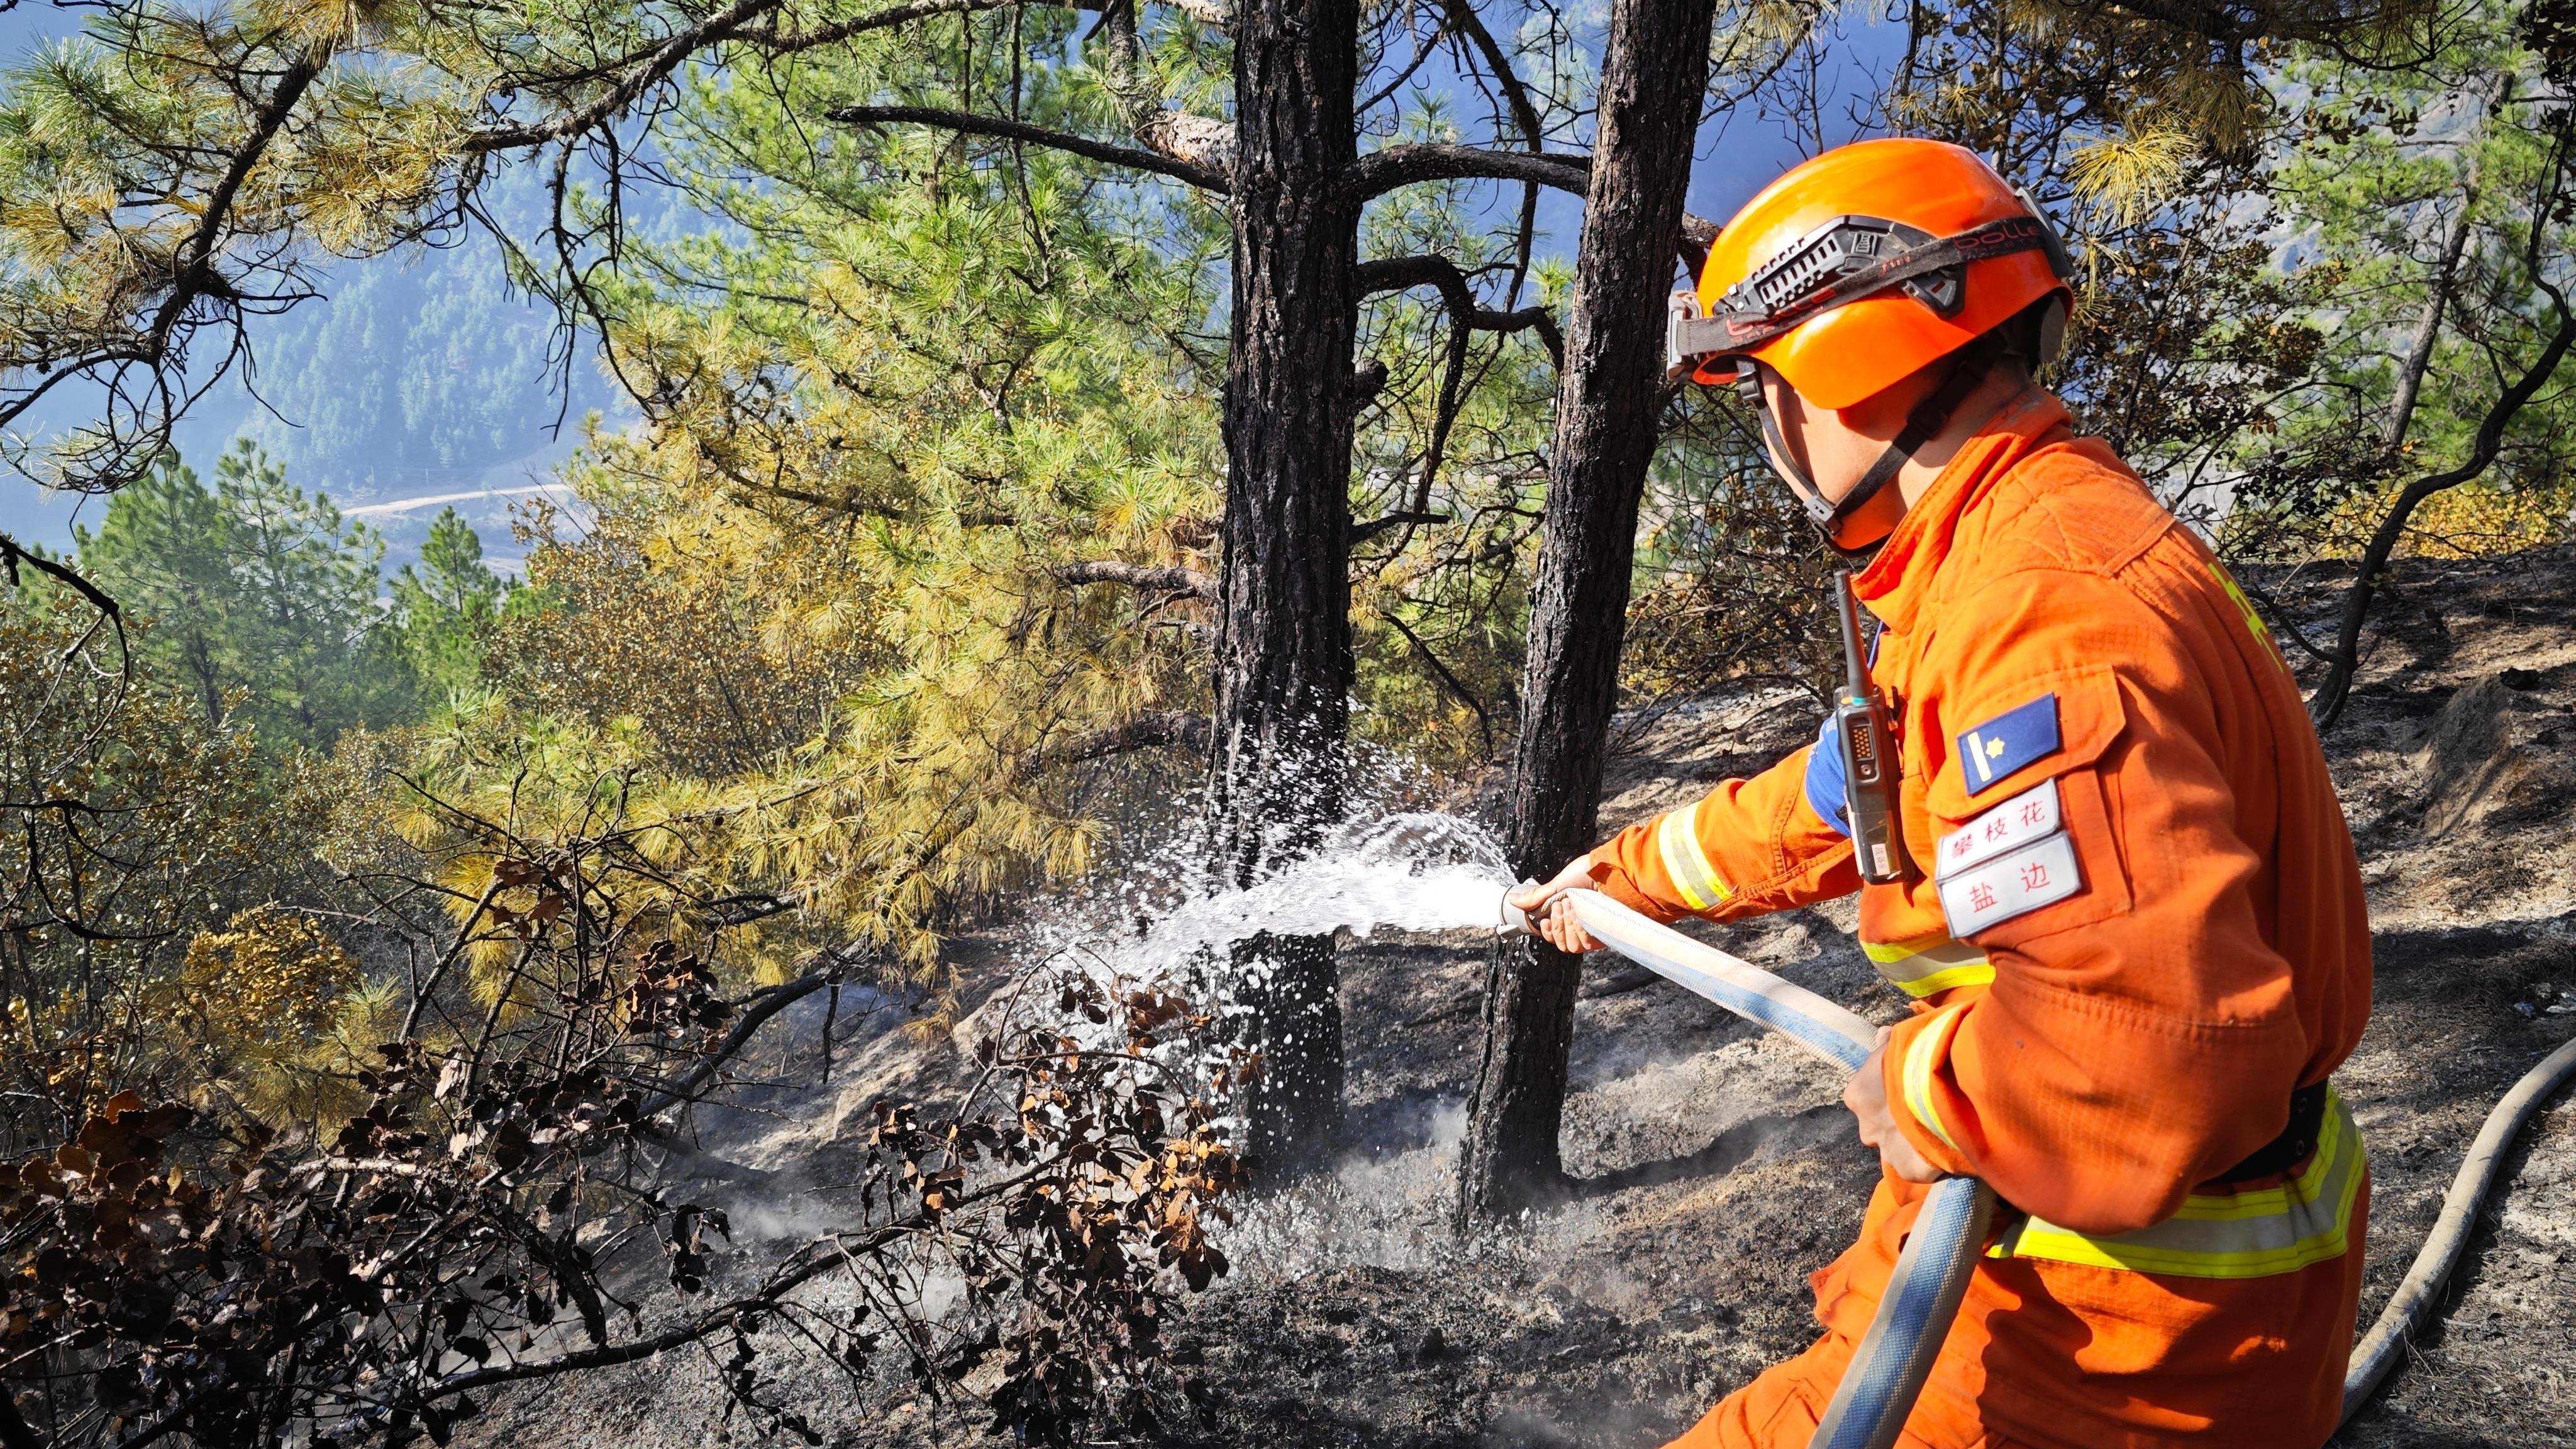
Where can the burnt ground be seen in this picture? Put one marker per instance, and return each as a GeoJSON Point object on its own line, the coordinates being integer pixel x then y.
{"type": "Point", "coordinates": [1719, 1168]}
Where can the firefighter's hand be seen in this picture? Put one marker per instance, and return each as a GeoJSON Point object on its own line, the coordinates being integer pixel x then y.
{"type": "Point", "coordinates": [1866, 1095]}
{"type": "Point", "coordinates": [1551, 915]}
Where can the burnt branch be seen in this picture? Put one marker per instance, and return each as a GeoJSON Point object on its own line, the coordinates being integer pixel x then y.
{"type": "Point", "coordinates": [778, 42]}
{"type": "Point", "coordinates": [13, 554]}
{"type": "Point", "coordinates": [1698, 235]}
{"type": "Point", "coordinates": [1170, 579]}
{"type": "Point", "coordinates": [749, 1017]}
{"type": "Point", "coordinates": [1393, 167]}
{"type": "Point", "coordinates": [2375, 34]}
{"type": "Point", "coordinates": [467, 1226]}
{"type": "Point", "coordinates": [966, 123]}
{"type": "Point", "coordinates": [1463, 16]}
{"type": "Point", "coordinates": [1450, 681]}
{"type": "Point", "coordinates": [1364, 531]}
{"type": "Point", "coordinates": [154, 344]}
{"type": "Point", "coordinates": [1399, 274]}
{"type": "Point", "coordinates": [649, 68]}
{"type": "Point", "coordinates": [2328, 702]}
{"type": "Point", "coordinates": [1167, 730]}
{"type": "Point", "coordinates": [193, 264]}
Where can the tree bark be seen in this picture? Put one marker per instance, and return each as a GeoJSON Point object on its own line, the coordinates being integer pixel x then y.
{"type": "Point", "coordinates": [1283, 654]}
{"type": "Point", "coordinates": [1653, 74]}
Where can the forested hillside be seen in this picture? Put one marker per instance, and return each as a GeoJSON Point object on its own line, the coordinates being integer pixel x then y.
{"type": "Point", "coordinates": [1028, 464]}
{"type": "Point", "coordinates": [429, 375]}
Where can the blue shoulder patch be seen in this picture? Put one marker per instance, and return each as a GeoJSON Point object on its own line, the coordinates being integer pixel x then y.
{"type": "Point", "coordinates": [2009, 741]}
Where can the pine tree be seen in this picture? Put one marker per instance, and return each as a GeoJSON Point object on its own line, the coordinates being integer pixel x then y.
{"type": "Point", "coordinates": [165, 550]}
{"type": "Point", "coordinates": [256, 595]}
{"type": "Point", "coordinates": [444, 607]}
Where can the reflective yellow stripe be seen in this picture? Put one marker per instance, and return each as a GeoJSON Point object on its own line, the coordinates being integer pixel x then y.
{"type": "Point", "coordinates": [1928, 964]}
{"type": "Point", "coordinates": [2253, 621]}
{"type": "Point", "coordinates": [2257, 1234]}
{"type": "Point", "coordinates": [1677, 838]}
{"type": "Point", "coordinates": [1930, 1044]}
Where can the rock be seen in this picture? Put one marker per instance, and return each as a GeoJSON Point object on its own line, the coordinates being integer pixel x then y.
{"type": "Point", "coordinates": [2493, 753]}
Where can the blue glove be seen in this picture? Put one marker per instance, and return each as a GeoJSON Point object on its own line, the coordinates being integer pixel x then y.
{"type": "Point", "coordinates": [1827, 795]}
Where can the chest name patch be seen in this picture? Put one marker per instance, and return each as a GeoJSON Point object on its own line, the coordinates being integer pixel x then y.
{"type": "Point", "coordinates": [2009, 741]}
{"type": "Point", "coordinates": [2016, 883]}
{"type": "Point", "coordinates": [2031, 815]}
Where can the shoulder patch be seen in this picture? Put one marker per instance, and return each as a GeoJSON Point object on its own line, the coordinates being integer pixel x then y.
{"type": "Point", "coordinates": [2031, 815]}
{"type": "Point", "coordinates": [2009, 741]}
{"type": "Point", "coordinates": [2040, 873]}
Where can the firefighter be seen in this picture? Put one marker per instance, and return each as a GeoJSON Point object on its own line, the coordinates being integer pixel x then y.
{"type": "Point", "coordinates": [2131, 923]}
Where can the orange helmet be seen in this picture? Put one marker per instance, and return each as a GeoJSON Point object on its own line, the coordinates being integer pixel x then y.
{"type": "Point", "coordinates": [1865, 265]}
{"type": "Point", "coordinates": [1858, 269]}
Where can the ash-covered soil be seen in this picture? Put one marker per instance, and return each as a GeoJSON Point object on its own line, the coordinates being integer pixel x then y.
{"type": "Point", "coordinates": [1719, 1169]}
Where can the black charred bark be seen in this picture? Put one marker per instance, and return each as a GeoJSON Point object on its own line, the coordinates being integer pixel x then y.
{"type": "Point", "coordinates": [1283, 655]}
{"type": "Point", "coordinates": [1654, 72]}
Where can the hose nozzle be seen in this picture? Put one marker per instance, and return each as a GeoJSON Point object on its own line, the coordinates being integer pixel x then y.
{"type": "Point", "coordinates": [1514, 920]}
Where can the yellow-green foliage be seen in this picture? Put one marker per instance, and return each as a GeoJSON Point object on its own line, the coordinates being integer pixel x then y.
{"type": "Point", "coordinates": [805, 643]}
{"type": "Point", "coordinates": [2478, 520]}
{"type": "Point", "coordinates": [280, 1014]}
{"type": "Point", "coordinates": [132, 823]}
{"type": "Point", "coordinates": [267, 974]}
{"type": "Point", "coordinates": [2470, 521]}
{"type": "Point", "coordinates": [2131, 175]}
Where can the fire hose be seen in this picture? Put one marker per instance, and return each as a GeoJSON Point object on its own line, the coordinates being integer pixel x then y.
{"type": "Point", "coordinates": [1895, 1356]}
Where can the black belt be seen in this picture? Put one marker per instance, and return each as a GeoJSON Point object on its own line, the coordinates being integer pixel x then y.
{"type": "Point", "coordinates": [2295, 1144]}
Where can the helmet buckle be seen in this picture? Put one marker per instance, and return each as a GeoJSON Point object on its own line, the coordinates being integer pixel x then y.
{"type": "Point", "coordinates": [1689, 335]}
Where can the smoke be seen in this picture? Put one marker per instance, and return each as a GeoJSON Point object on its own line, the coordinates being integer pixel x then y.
{"type": "Point", "coordinates": [1392, 867]}
{"type": "Point", "coordinates": [1393, 1209]}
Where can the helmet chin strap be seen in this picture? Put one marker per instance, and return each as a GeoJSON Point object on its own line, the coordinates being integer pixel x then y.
{"type": "Point", "coordinates": [1868, 507]}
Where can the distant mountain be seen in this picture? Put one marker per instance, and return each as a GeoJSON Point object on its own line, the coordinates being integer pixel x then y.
{"type": "Point", "coordinates": [419, 376]}
{"type": "Point", "coordinates": [413, 378]}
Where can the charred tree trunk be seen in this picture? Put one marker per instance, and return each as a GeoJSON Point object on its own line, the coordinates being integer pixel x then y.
{"type": "Point", "coordinates": [1607, 405]}
{"type": "Point", "coordinates": [1283, 652]}
{"type": "Point", "coordinates": [2428, 327]}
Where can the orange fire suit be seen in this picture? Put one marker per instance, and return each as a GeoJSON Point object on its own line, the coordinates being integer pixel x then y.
{"type": "Point", "coordinates": [2134, 930]}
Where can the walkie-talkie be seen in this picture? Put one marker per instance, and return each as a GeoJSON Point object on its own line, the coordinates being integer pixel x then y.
{"type": "Point", "coordinates": [1870, 768]}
